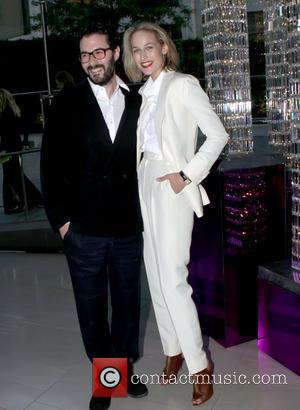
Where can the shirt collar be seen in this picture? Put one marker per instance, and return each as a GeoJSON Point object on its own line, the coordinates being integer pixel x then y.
{"type": "Point", "coordinates": [151, 88]}
{"type": "Point", "coordinates": [100, 92]}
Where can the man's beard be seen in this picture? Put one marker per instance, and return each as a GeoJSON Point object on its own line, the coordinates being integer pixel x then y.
{"type": "Point", "coordinates": [107, 73]}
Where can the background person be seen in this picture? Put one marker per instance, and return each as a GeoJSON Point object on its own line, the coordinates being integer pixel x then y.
{"type": "Point", "coordinates": [169, 175]}
{"type": "Point", "coordinates": [64, 80]}
{"type": "Point", "coordinates": [13, 195]}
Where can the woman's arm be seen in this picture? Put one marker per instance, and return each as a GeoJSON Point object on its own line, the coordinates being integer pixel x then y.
{"type": "Point", "coordinates": [197, 103]}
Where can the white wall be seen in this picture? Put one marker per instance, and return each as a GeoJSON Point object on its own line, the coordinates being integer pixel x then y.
{"type": "Point", "coordinates": [33, 10]}
{"type": "Point", "coordinates": [11, 18]}
{"type": "Point", "coordinates": [254, 5]}
{"type": "Point", "coordinates": [194, 28]}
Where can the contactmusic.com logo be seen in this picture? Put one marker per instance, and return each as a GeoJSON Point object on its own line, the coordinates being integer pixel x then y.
{"type": "Point", "coordinates": [110, 377]}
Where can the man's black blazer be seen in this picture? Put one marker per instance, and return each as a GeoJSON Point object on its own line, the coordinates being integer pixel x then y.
{"type": "Point", "coordinates": [87, 179]}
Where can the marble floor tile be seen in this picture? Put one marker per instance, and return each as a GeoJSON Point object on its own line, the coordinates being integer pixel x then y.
{"type": "Point", "coordinates": [43, 364]}
{"type": "Point", "coordinates": [16, 396]}
{"type": "Point", "coordinates": [29, 372]}
{"type": "Point", "coordinates": [37, 405]}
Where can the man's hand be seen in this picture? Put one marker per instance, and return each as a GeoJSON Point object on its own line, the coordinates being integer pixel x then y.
{"type": "Point", "coordinates": [176, 181]}
{"type": "Point", "coordinates": [64, 229]}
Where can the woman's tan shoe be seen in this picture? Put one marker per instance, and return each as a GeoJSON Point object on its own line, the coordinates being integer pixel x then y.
{"type": "Point", "coordinates": [172, 366]}
{"type": "Point", "coordinates": [202, 386]}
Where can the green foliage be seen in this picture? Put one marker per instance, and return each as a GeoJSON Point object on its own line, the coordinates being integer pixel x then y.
{"type": "Point", "coordinates": [191, 57]}
{"type": "Point", "coordinates": [67, 19]}
{"type": "Point", "coordinates": [257, 54]}
{"type": "Point", "coordinates": [257, 71]}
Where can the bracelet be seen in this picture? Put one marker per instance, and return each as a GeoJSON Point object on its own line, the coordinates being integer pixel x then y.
{"type": "Point", "coordinates": [184, 177]}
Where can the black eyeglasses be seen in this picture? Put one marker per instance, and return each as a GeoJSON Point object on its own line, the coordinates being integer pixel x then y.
{"type": "Point", "coordinates": [98, 54]}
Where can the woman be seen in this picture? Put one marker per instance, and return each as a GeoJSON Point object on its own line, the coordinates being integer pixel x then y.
{"type": "Point", "coordinates": [173, 107]}
{"type": "Point", "coordinates": [10, 141]}
{"type": "Point", "coordinates": [64, 80]}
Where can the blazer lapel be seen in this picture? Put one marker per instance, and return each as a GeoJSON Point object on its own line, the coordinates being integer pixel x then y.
{"type": "Point", "coordinates": [124, 114]}
{"type": "Point", "coordinates": [138, 131]}
{"type": "Point", "coordinates": [95, 113]}
{"type": "Point", "coordinates": [160, 111]}
{"type": "Point", "coordinates": [160, 108]}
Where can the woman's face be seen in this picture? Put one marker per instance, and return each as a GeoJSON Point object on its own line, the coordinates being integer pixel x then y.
{"type": "Point", "coordinates": [148, 52]}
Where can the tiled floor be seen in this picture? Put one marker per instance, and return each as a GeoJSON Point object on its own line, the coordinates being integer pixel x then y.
{"type": "Point", "coordinates": [43, 365]}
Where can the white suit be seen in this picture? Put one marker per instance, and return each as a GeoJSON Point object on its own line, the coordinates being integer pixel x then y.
{"type": "Point", "coordinates": [182, 107]}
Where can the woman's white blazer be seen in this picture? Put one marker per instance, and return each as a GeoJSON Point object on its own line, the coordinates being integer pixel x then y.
{"type": "Point", "coordinates": [182, 107]}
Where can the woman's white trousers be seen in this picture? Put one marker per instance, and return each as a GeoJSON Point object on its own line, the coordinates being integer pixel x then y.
{"type": "Point", "coordinates": [168, 223]}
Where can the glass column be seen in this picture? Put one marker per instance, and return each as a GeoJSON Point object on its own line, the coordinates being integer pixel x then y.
{"type": "Point", "coordinates": [226, 57]}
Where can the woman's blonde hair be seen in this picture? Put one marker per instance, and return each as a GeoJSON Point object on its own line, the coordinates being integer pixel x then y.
{"type": "Point", "coordinates": [7, 99]}
{"type": "Point", "coordinates": [171, 57]}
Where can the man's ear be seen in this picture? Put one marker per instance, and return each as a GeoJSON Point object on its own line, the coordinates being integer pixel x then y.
{"type": "Point", "coordinates": [117, 52]}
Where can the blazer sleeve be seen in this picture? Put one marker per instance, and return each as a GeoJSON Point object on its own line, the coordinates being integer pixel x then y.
{"type": "Point", "coordinates": [52, 166]}
{"type": "Point", "coordinates": [198, 105]}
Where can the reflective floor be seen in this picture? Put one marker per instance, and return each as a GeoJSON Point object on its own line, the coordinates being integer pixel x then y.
{"type": "Point", "coordinates": [43, 364]}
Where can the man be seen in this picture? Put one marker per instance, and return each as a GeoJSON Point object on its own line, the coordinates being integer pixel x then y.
{"type": "Point", "coordinates": [89, 182]}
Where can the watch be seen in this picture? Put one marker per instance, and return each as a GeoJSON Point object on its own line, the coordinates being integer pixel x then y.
{"type": "Point", "coordinates": [184, 177]}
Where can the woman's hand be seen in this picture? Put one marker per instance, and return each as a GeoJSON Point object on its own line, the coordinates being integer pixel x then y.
{"type": "Point", "coordinates": [175, 180]}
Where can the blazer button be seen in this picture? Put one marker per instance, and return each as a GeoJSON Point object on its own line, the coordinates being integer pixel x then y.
{"type": "Point", "coordinates": [125, 176]}
{"type": "Point", "coordinates": [104, 176]}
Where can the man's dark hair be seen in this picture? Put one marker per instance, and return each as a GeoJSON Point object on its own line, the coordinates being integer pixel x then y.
{"type": "Point", "coordinates": [111, 33]}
